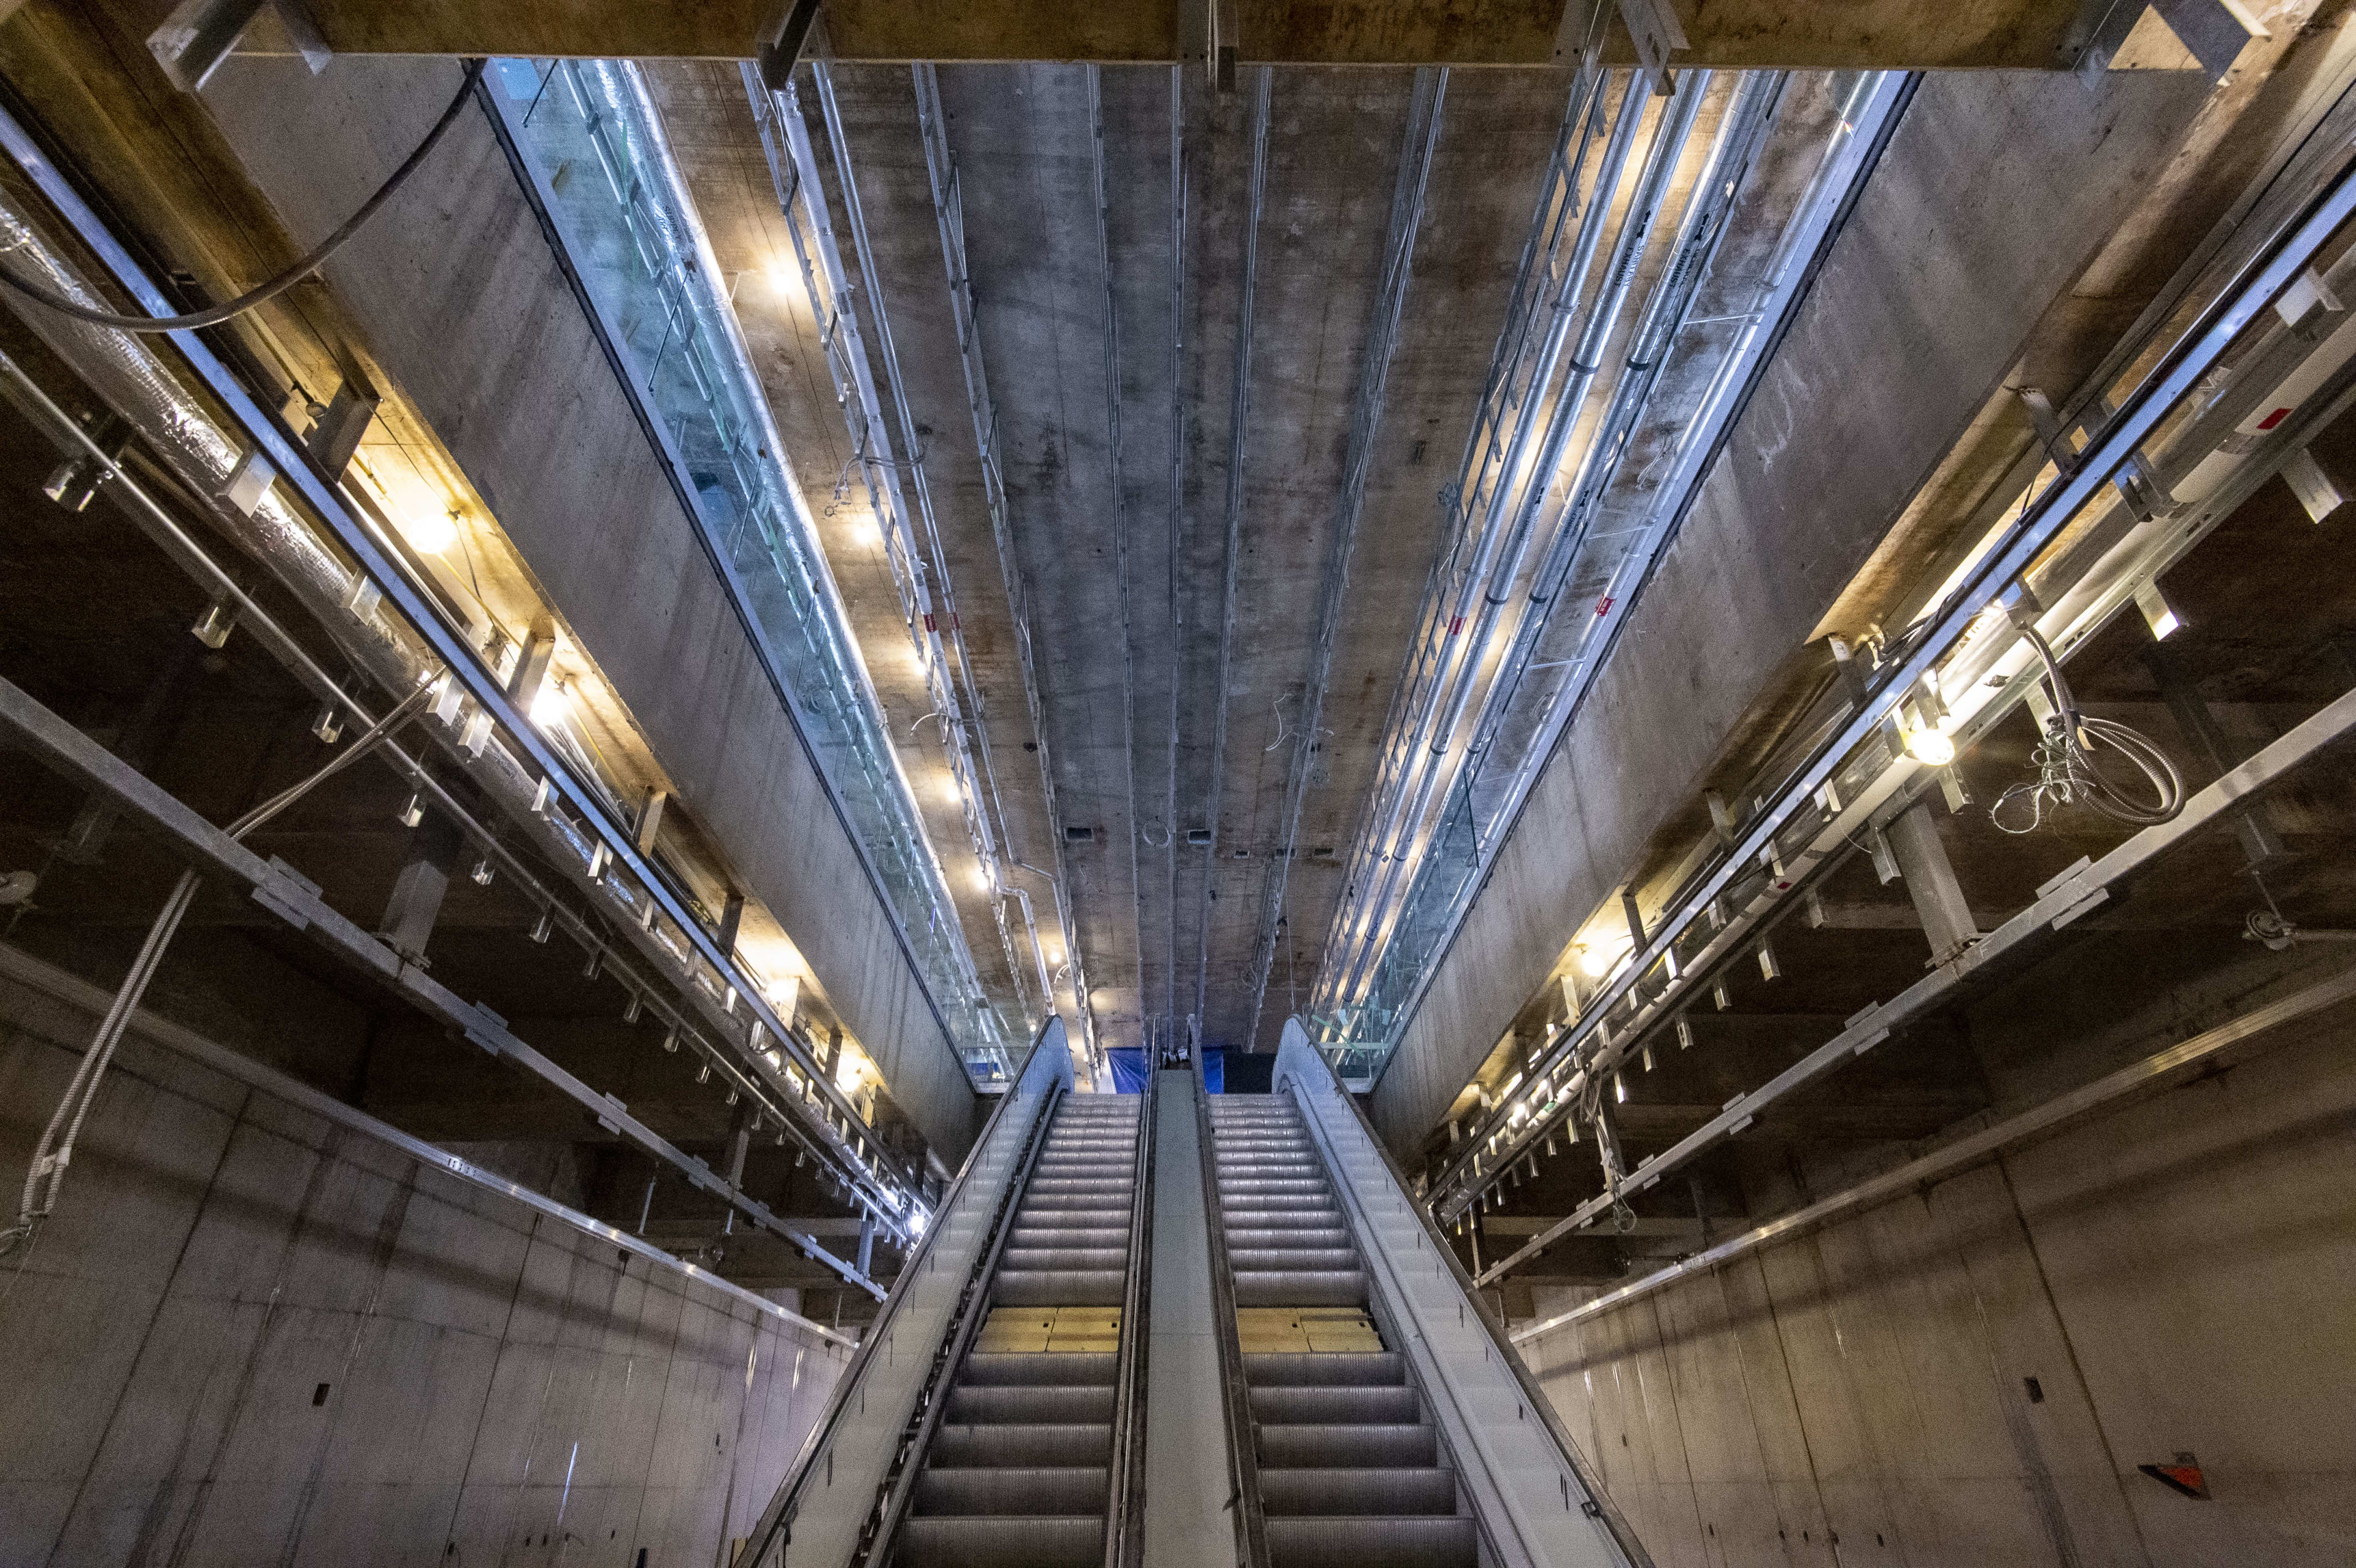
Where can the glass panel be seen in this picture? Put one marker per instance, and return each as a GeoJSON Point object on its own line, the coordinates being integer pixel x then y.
{"type": "Point", "coordinates": [595, 149]}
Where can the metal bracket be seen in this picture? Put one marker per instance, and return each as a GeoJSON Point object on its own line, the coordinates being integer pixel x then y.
{"type": "Point", "coordinates": [778, 53]}
{"type": "Point", "coordinates": [288, 894]}
{"type": "Point", "coordinates": [1653, 25]}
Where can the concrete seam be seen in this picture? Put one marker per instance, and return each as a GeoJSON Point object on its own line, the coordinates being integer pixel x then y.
{"type": "Point", "coordinates": [2070, 1347]}
{"type": "Point", "coordinates": [323, 1159]}
{"type": "Point", "coordinates": [162, 1295]}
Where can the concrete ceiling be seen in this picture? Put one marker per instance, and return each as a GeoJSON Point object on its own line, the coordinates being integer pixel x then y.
{"type": "Point", "coordinates": [1181, 304]}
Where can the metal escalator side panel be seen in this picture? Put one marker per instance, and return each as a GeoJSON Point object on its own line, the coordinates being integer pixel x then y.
{"type": "Point", "coordinates": [821, 1513]}
{"type": "Point", "coordinates": [1531, 1493]}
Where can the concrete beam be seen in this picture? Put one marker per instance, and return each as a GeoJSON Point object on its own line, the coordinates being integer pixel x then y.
{"type": "Point", "coordinates": [1983, 35]}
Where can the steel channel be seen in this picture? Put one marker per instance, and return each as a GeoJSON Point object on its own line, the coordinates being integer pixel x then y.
{"type": "Point", "coordinates": [1387, 843]}
{"type": "Point", "coordinates": [296, 468]}
{"type": "Point", "coordinates": [66, 750]}
{"type": "Point", "coordinates": [2155, 1072]}
{"type": "Point", "coordinates": [165, 1035]}
{"type": "Point", "coordinates": [2067, 898]}
{"type": "Point", "coordinates": [2174, 377]}
{"type": "Point", "coordinates": [975, 736]}
{"type": "Point", "coordinates": [1382, 338]}
{"type": "Point", "coordinates": [191, 556]}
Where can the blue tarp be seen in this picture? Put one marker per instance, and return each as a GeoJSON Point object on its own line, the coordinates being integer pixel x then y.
{"type": "Point", "coordinates": [1128, 1069]}
{"type": "Point", "coordinates": [1215, 1072]}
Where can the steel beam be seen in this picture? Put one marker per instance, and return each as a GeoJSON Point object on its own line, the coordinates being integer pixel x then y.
{"type": "Point", "coordinates": [2202, 1053]}
{"type": "Point", "coordinates": [278, 888]}
{"type": "Point", "coordinates": [28, 971]}
{"type": "Point", "coordinates": [1930, 877]}
{"type": "Point", "coordinates": [1861, 35]}
{"type": "Point", "coordinates": [2075, 892]}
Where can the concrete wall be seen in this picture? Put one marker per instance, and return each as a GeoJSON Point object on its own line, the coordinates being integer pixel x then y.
{"type": "Point", "coordinates": [1996, 191]}
{"type": "Point", "coordinates": [2178, 1276]}
{"type": "Point", "coordinates": [469, 316]}
{"type": "Point", "coordinates": [249, 1335]}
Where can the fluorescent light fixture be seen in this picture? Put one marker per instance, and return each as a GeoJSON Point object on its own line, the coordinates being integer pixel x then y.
{"type": "Point", "coordinates": [2157, 612]}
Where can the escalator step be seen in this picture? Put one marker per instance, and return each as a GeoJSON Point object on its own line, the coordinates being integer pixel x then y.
{"type": "Point", "coordinates": [1305, 1236]}
{"type": "Point", "coordinates": [1244, 1223]}
{"type": "Point", "coordinates": [1040, 1369]}
{"type": "Point", "coordinates": [1001, 1541]}
{"type": "Point", "coordinates": [1360, 1368]}
{"type": "Point", "coordinates": [1393, 1543]}
{"type": "Point", "coordinates": [1345, 1447]}
{"type": "Point", "coordinates": [1290, 1257]}
{"type": "Point", "coordinates": [1028, 1491]}
{"type": "Point", "coordinates": [1031, 1258]}
{"type": "Point", "coordinates": [1053, 1405]}
{"type": "Point", "coordinates": [1297, 1493]}
{"type": "Point", "coordinates": [1062, 1446]}
{"type": "Point", "coordinates": [1301, 1288]}
{"type": "Point", "coordinates": [1310, 1406]}
{"type": "Point", "coordinates": [1059, 1287]}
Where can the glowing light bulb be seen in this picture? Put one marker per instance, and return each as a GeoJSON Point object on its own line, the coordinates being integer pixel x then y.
{"type": "Point", "coordinates": [549, 705]}
{"type": "Point", "coordinates": [431, 533]}
{"type": "Point", "coordinates": [1930, 747]}
{"type": "Point", "coordinates": [1600, 958]}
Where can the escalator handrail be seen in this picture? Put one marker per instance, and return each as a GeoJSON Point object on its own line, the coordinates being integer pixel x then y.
{"type": "Point", "coordinates": [1613, 1521]}
{"type": "Point", "coordinates": [1124, 1515]}
{"type": "Point", "coordinates": [780, 1514]}
{"type": "Point", "coordinates": [900, 1485]}
{"type": "Point", "coordinates": [1235, 1388]}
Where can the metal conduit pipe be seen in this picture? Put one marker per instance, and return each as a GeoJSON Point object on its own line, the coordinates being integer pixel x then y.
{"type": "Point", "coordinates": [125, 372]}
{"type": "Point", "coordinates": [863, 417]}
{"type": "Point", "coordinates": [1505, 551]}
{"type": "Point", "coordinates": [966, 743]}
{"type": "Point", "coordinates": [1422, 141]}
{"type": "Point", "coordinates": [1730, 158]}
{"type": "Point", "coordinates": [1520, 348]}
{"type": "Point", "coordinates": [949, 212]}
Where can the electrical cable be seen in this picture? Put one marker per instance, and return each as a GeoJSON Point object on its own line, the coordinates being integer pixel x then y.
{"type": "Point", "coordinates": [215, 315]}
{"type": "Point", "coordinates": [2068, 774]}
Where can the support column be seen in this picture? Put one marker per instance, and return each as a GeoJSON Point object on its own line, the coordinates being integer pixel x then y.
{"type": "Point", "coordinates": [1930, 877]}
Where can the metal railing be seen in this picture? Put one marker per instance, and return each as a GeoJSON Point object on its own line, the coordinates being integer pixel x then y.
{"type": "Point", "coordinates": [848, 1458]}
{"type": "Point", "coordinates": [1235, 1388]}
{"type": "Point", "coordinates": [1125, 1510]}
{"type": "Point", "coordinates": [1538, 1501]}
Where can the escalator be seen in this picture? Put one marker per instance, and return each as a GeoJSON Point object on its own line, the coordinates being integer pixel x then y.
{"type": "Point", "coordinates": [1327, 1391]}
{"type": "Point", "coordinates": [1377, 1417]}
{"type": "Point", "coordinates": [1019, 1471]}
{"type": "Point", "coordinates": [1349, 1469]}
